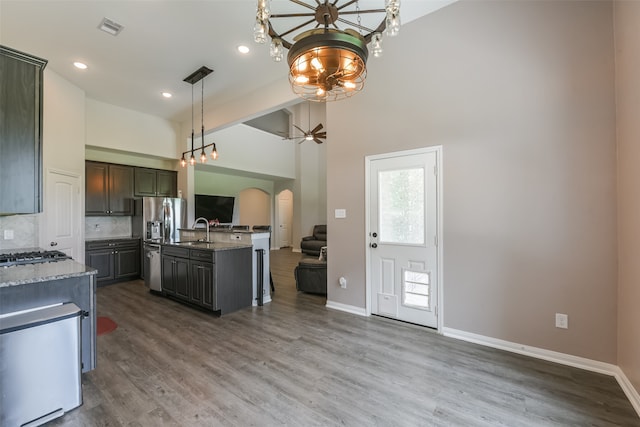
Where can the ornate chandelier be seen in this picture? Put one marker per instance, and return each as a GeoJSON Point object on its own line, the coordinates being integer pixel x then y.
{"type": "Point", "coordinates": [327, 59]}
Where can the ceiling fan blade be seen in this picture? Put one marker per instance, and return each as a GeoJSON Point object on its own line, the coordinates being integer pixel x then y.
{"type": "Point", "coordinates": [303, 132]}
{"type": "Point", "coordinates": [317, 141]}
{"type": "Point", "coordinates": [302, 140]}
{"type": "Point", "coordinates": [321, 135]}
{"type": "Point", "coordinates": [316, 129]}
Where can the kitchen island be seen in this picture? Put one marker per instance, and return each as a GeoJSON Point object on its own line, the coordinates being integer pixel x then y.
{"type": "Point", "coordinates": [260, 243]}
{"type": "Point", "coordinates": [30, 286]}
{"type": "Point", "coordinates": [211, 276]}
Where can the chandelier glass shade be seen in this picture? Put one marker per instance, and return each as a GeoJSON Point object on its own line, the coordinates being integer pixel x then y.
{"type": "Point", "coordinates": [327, 59]}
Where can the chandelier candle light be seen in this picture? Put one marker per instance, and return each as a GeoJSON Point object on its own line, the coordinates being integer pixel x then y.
{"type": "Point", "coordinates": [193, 78]}
{"type": "Point", "coordinates": [326, 63]}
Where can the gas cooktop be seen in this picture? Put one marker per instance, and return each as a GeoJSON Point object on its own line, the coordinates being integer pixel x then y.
{"type": "Point", "coordinates": [31, 257]}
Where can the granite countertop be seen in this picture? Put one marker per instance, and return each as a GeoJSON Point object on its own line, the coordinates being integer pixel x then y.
{"type": "Point", "coordinates": [42, 272]}
{"type": "Point", "coordinates": [211, 246]}
{"type": "Point", "coordinates": [222, 230]}
{"type": "Point", "coordinates": [97, 239]}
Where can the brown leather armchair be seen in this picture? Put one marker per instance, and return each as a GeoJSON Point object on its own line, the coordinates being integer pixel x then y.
{"type": "Point", "coordinates": [311, 245]}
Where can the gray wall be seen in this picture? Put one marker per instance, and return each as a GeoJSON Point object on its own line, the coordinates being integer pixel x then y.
{"type": "Point", "coordinates": [627, 19]}
{"type": "Point", "coordinates": [521, 97]}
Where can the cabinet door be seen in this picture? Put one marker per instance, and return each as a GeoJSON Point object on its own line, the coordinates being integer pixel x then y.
{"type": "Point", "coordinates": [102, 260]}
{"type": "Point", "coordinates": [166, 183]}
{"type": "Point", "coordinates": [168, 281]}
{"type": "Point", "coordinates": [96, 188]}
{"type": "Point", "coordinates": [20, 132]}
{"type": "Point", "coordinates": [145, 182]}
{"type": "Point", "coordinates": [127, 262]}
{"type": "Point", "coordinates": [120, 190]}
{"type": "Point", "coordinates": [202, 290]}
{"type": "Point", "coordinates": [181, 278]}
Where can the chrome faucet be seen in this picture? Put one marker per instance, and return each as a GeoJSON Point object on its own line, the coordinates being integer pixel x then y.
{"type": "Point", "coordinates": [206, 224]}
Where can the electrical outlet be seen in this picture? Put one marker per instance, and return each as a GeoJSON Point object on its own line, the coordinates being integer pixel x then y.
{"type": "Point", "coordinates": [562, 321]}
{"type": "Point", "coordinates": [8, 234]}
{"type": "Point", "coordinates": [343, 282]}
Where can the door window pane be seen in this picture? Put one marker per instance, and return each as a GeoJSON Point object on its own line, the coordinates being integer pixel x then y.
{"type": "Point", "coordinates": [401, 204]}
{"type": "Point", "coordinates": [416, 289]}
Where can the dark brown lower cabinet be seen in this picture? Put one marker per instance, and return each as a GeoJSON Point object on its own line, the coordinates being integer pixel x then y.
{"type": "Point", "coordinates": [116, 260]}
{"type": "Point", "coordinates": [201, 289]}
{"type": "Point", "coordinates": [217, 280]}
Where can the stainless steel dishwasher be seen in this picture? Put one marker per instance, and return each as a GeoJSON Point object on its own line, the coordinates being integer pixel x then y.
{"type": "Point", "coordinates": [40, 369]}
{"type": "Point", "coordinates": [152, 267]}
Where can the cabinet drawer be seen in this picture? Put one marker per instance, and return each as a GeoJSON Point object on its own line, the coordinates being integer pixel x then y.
{"type": "Point", "coordinates": [174, 251]}
{"type": "Point", "coordinates": [111, 244]}
{"type": "Point", "coordinates": [200, 255]}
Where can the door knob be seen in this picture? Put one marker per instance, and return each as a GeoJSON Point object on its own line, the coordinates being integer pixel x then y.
{"type": "Point", "coordinates": [54, 243]}
{"type": "Point", "coordinates": [374, 245]}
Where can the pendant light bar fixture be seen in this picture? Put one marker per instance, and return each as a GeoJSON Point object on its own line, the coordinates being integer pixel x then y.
{"type": "Point", "coordinates": [193, 78]}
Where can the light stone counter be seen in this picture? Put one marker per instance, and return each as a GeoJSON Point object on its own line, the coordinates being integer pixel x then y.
{"type": "Point", "coordinates": [42, 272]}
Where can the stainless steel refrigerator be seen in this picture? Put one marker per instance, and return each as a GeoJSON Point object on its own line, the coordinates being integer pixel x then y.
{"type": "Point", "coordinates": [157, 219]}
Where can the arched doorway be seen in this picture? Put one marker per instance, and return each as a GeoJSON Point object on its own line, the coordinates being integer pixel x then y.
{"type": "Point", "coordinates": [254, 207]}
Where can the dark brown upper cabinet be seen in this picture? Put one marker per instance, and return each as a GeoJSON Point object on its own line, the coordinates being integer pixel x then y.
{"type": "Point", "coordinates": [155, 182]}
{"type": "Point", "coordinates": [109, 189]}
{"type": "Point", "coordinates": [21, 89]}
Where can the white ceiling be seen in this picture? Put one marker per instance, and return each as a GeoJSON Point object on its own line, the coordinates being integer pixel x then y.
{"type": "Point", "coordinates": [162, 43]}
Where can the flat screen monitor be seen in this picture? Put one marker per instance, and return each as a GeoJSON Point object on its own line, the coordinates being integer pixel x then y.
{"type": "Point", "coordinates": [214, 207]}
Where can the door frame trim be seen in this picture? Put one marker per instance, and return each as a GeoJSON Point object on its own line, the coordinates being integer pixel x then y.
{"type": "Point", "coordinates": [439, 229]}
{"type": "Point", "coordinates": [44, 218]}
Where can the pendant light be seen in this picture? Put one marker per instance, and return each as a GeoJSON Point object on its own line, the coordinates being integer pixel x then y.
{"type": "Point", "coordinates": [193, 78]}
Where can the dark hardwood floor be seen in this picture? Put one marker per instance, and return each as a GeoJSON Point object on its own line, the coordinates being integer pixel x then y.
{"type": "Point", "coordinates": [294, 362]}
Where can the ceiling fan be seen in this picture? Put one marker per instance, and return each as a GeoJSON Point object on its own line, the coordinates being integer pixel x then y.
{"type": "Point", "coordinates": [312, 134]}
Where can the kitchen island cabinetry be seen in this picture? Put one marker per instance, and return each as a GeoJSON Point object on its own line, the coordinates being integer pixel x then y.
{"type": "Point", "coordinates": [213, 278]}
{"type": "Point", "coordinates": [202, 284]}
{"type": "Point", "coordinates": [20, 132]}
{"type": "Point", "coordinates": [155, 183]}
{"type": "Point", "coordinates": [175, 272]}
{"type": "Point", "coordinates": [109, 189]}
{"type": "Point", "coordinates": [116, 260]}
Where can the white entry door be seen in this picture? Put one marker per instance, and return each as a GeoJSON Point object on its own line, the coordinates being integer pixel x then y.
{"type": "Point", "coordinates": [62, 212]}
{"type": "Point", "coordinates": [403, 236]}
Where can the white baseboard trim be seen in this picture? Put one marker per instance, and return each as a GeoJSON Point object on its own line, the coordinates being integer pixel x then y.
{"type": "Point", "coordinates": [345, 307]}
{"type": "Point", "coordinates": [629, 390]}
{"type": "Point", "coordinates": [552, 356]}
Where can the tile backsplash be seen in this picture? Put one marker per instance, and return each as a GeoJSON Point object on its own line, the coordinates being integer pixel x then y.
{"type": "Point", "coordinates": [25, 229]}
{"type": "Point", "coordinates": [107, 226]}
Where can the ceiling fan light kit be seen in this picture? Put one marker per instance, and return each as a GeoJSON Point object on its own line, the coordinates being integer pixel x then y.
{"type": "Point", "coordinates": [326, 62]}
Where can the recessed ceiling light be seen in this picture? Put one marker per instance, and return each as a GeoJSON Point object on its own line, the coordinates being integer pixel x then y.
{"type": "Point", "coordinates": [243, 49]}
{"type": "Point", "coordinates": [80, 65]}
{"type": "Point", "coordinates": [167, 94]}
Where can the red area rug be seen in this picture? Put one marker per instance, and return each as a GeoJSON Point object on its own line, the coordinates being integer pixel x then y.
{"type": "Point", "coordinates": [105, 325]}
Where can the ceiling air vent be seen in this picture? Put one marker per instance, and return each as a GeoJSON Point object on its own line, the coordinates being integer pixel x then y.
{"type": "Point", "coordinates": [109, 26]}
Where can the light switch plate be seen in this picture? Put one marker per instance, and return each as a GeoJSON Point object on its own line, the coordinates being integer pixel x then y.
{"type": "Point", "coordinates": [8, 234]}
{"type": "Point", "coordinates": [341, 213]}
